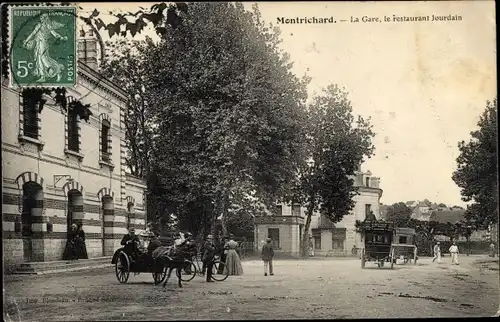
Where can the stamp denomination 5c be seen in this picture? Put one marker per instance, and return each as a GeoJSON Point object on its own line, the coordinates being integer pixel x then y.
{"type": "Point", "coordinates": [42, 46]}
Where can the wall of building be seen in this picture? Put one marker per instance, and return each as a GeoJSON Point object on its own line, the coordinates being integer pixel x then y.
{"type": "Point", "coordinates": [367, 195]}
{"type": "Point", "coordinates": [46, 158]}
{"type": "Point", "coordinates": [288, 234]}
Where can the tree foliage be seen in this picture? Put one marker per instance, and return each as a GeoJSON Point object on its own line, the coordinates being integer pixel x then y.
{"type": "Point", "coordinates": [224, 113]}
{"type": "Point", "coordinates": [399, 213]}
{"type": "Point", "coordinates": [477, 172]}
{"type": "Point", "coordinates": [125, 64]}
{"type": "Point", "coordinates": [336, 144]}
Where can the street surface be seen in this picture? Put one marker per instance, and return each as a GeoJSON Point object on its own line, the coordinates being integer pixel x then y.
{"type": "Point", "coordinates": [314, 288]}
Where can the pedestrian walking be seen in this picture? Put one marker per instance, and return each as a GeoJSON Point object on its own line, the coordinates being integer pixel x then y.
{"type": "Point", "coordinates": [437, 253]}
{"type": "Point", "coordinates": [311, 247]}
{"type": "Point", "coordinates": [454, 254]}
{"type": "Point", "coordinates": [267, 257]}
{"type": "Point", "coordinates": [492, 249]}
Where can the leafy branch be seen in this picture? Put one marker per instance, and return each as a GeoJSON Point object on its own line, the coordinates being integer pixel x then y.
{"type": "Point", "coordinates": [135, 22]}
{"type": "Point", "coordinates": [35, 96]}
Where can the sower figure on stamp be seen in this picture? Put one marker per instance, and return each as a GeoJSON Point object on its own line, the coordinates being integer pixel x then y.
{"type": "Point", "coordinates": [267, 257]}
{"type": "Point", "coordinates": [38, 42]}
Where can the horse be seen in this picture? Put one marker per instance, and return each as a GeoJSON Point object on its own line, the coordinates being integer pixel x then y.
{"type": "Point", "coordinates": [164, 256]}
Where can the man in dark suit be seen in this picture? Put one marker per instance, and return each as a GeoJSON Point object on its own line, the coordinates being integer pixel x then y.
{"type": "Point", "coordinates": [208, 257]}
{"type": "Point", "coordinates": [131, 242]}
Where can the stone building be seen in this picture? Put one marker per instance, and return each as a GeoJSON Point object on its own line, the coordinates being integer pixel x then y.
{"type": "Point", "coordinates": [286, 226]}
{"type": "Point", "coordinates": [58, 170]}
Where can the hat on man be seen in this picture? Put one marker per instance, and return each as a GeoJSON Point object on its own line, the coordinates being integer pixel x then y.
{"type": "Point", "coordinates": [268, 240]}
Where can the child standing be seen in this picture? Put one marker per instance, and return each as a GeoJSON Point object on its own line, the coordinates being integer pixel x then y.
{"type": "Point", "coordinates": [267, 257]}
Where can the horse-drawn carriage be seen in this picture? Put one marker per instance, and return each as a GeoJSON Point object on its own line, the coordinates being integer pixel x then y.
{"type": "Point", "coordinates": [378, 237]}
{"type": "Point", "coordinates": [386, 243]}
{"type": "Point", "coordinates": [160, 264]}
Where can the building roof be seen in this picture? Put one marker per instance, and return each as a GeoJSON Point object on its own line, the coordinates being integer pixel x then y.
{"type": "Point", "coordinates": [424, 204]}
{"type": "Point", "coordinates": [447, 216]}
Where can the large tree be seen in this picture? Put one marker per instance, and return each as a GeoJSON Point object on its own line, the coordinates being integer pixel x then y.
{"type": "Point", "coordinates": [477, 172]}
{"type": "Point", "coordinates": [399, 213]}
{"type": "Point", "coordinates": [337, 143]}
{"type": "Point", "coordinates": [225, 112]}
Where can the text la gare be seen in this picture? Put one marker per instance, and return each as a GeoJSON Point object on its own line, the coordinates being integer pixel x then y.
{"type": "Point", "coordinates": [365, 19]}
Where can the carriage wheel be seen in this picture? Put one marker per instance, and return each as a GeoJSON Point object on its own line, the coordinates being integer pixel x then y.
{"type": "Point", "coordinates": [160, 276]}
{"type": "Point", "coordinates": [193, 271]}
{"type": "Point", "coordinates": [122, 268]}
{"type": "Point", "coordinates": [219, 277]}
{"type": "Point", "coordinates": [363, 259]}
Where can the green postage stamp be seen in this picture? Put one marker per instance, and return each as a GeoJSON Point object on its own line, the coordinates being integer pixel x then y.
{"type": "Point", "coordinates": [42, 43]}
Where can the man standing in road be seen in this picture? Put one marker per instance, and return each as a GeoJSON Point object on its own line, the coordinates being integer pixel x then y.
{"type": "Point", "coordinates": [208, 258]}
{"type": "Point", "coordinates": [437, 253]}
{"type": "Point", "coordinates": [267, 257]}
{"type": "Point", "coordinates": [454, 254]}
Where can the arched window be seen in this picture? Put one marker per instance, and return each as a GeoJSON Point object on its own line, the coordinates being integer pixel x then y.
{"type": "Point", "coordinates": [30, 117]}
{"type": "Point", "coordinates": [73, 130]}
{"type": "Point", "coordinates": [105, 140]}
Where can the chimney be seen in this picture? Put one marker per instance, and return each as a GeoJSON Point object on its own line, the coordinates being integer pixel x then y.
{"type": "Point", "coordinates": [87, 49]}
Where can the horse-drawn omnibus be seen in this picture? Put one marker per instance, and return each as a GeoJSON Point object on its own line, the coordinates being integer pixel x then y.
{"type": "Point", "coordinates": [378, 237]}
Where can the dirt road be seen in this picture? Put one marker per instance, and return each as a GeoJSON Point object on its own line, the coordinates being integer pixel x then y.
{"type": "Point", "coordinates": [315, 288]}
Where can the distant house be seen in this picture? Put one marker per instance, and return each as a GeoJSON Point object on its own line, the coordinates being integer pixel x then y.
{"type": "Point", "coordinates": [422, 210]}
{"type": "Point", "coordinates": [285, 225]}
{"type": "Point", "coordinates": [411, 204]}
{"type": "Point", "coordinates": [453, 217]}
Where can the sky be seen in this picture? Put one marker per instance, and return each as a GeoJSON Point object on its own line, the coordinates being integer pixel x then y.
{"type": "Point", "coordinates": [424, 84]}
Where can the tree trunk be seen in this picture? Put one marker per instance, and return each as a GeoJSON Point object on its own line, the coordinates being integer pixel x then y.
{"type": "Point", "coordinates": [304, 249]}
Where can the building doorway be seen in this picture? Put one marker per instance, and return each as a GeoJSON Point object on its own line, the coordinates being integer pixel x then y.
{"type": "Point", "coordinates": [32, 206]}
{"type": "Point", "coordinates": [75, 209]}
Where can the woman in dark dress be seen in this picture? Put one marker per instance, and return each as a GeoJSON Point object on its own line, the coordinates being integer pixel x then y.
{"type": "Point", "coordinates": [223, 253]}
{"type": "Point", "coordinates": [81, 249]}
{"type": "Point", "coordinates": [70, 250]}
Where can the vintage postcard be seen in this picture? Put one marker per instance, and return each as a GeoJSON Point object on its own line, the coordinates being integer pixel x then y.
{"type": "Point", "coordinates": [249, 160]}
